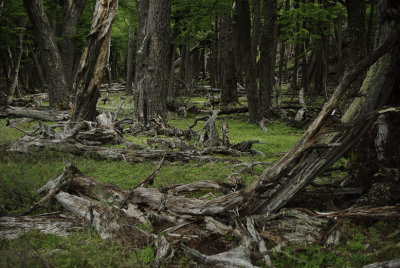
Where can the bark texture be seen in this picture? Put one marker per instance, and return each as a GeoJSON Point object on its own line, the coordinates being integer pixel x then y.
{"type": "Point", "coordinates": [152, 60]}
{"type": "Point", "coordinates": [268, 56]}
{"type": "Point", "coordinates": [93, 60]}
{"type": "Point", "coordinates": [247, 57]}
{"type": "Point", "coordinates": [71, 12]}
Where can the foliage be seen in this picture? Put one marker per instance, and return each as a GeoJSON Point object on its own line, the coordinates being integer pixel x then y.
{"type": "Point", "coordinates": [309, 20]}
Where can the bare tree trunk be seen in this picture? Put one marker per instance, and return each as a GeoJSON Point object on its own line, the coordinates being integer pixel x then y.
{"type": "Point", "coordinates": [71, 12]}
{"type": "Point", "coordinates": [356, 35]}
{"type": "Point", "coordinates": [93, 61]}
{"type": "Point", "coordinates": [268, 56]}
{"type": "Point", "coordinates": [17, 62]}
{"type": "Point", "coordinates": [247, 58]}
{"type": "Point", "coordinates": [228, 91]}
{"type": "Point", "coordinates": [152, 57]}
{"type": "Point", "coordinates": [129, 61]}
{"type": "Point", "coordinates": [38, 68]}
{"type": "Point", "coordinates": [58, 93]}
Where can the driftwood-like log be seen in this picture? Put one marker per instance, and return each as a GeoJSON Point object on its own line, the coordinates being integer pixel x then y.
{"type": "Point", "coordinates": [27, 144]}
{"type": "Point", "coordinates": [49, 223]}
{"type": "Point", "coordinates": [237, 257]}
{"type": "Point", "coordinates": [385, 264]}
{"type": "Point", "coordinates": [35, 113]}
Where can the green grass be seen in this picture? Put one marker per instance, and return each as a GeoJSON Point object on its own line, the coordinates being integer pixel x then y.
{"type": "Point", "coordinates": [360, 245]}
{"type": "Point", "coordinates": [22, 174]}
{"type": "Point", "coordinates": [82, 249]}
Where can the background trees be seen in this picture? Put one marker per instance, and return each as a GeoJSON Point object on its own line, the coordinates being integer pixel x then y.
{"type": "Point", "coordinates": [258, 44]}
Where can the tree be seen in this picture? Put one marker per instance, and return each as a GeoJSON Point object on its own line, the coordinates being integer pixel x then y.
{"type": "Point", "coordinates": [268, 56]}
{"type": "Point", "coordinates": [71, 12]}
{"type": "Point", "coordinates": [228, 90]}
{"type": "Point", "coordinates": [152, 60]}
{"type": "Point", "coordinates": [247, 57]}
{"type": "Point", "coordinates": [93, 61]}
{"type": "Point", "coordinates": [51, 58]}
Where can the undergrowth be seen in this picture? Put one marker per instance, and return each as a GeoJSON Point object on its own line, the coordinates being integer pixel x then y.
{"type": "Point", "coordinates": [22, 174]}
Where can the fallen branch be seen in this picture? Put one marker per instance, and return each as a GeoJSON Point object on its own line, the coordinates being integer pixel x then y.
{"type": "Point", "coordinates": [35, 113]}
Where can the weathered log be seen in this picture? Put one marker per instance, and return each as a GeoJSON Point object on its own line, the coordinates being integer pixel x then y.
{"type": "Point", "coordinates": [388, 212]}
{"type": "Point", "coordinates": [28, 144]}
{"type": "Point", "coordinates": [237, 257]}
{"type": "Point", "coordinates": [49, 223]}
{"type": "Point", "coordinates": [35, 113]}
{"type": "Point", "coordinates": [385, 264]}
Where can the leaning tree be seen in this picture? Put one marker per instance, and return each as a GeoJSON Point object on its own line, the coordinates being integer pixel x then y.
{"type": "Point", "coordinates": [93, 60]}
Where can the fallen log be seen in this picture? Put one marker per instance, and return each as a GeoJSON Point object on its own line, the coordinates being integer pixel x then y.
{"type": "Point", "coordinates": [385, 264]}
{"type": "Point", "coordinates": [48, 223]}
{"type": "Point", "coordinates": [35, 113]}
{"type": "Point", "coordinates": [28, 144]}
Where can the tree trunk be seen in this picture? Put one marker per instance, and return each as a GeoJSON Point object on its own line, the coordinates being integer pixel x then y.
{"type": "Point", "coordinates": [247, 58]}
{"type": "Point", "coordinates": [17, 62]}
{"type": "Point", "coordinates": [71, 12]}
{"type": "Point", "coordinates": [93, 61]}
{"type": "Point", "coordinates": [228, 91]}
{"type": "Point", "coordinates": [58, 91]}
{"type": "Point", "coordinates": [356, 36]}
{"type": "Point", "coordinates": [152, 57]}
{"type": "Point", "coordinates": [268, 56]}
{"type": "Point", "coordinates": [130, 59]}
{"type": "Point", "coordinates": [38, 68]}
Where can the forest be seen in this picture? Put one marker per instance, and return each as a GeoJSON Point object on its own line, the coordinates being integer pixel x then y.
{"type": "Point", "coordinates": [207, 133]}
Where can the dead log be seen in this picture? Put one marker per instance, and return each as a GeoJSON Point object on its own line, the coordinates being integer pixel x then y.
{"type": "Point", "coordinates": [28, 144]}
{"type": "Point", "coordinates": [48, 223]}
{"type": "Point", "coordinates": [237, 257]}
{"type": "Point", "coordinates": [385, 264]}
{"type": "Point", "coordinates": [360, 213]}
{"type": "Point", "coordinates": [35, 113]}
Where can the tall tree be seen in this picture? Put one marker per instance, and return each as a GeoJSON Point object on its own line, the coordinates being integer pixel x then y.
{"type": "Point", "coordinates": [17, 61]}
{"type": "Point", "coordinates": [131, 49]}
{"type": "Point", "coordinates": [247, 58]}
{"type": "Point", "coordinates": [71, 12]}
{"type": "Point", "coordinates": [268, 55]}
{"type": "Point", "coordinates": [152, 60]}
{"type": "Point", "coordinates": [228, 90]}
{"type": "Point", "coordinates": [93, 61]}
{"type": "Point", "coordinates": [51, 58]}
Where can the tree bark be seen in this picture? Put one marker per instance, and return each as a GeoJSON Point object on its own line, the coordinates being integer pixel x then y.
{"type": "Point", "coordinates": [130, 60]}
{"type": "Point", "coordinates": [152, 57]}
{"type": "Point", "coordinates": [268, 56]}
{"type": "Point", "coordinates": [356, 37]}
{"type": "Point", "coordinates": [247, 57]}
{"type": "Point", "coordinates": [228, 91]}
{"type": "Point", "coordinates": [17, 61]}
{"type": "Point", "coordinates": [93, 61]}
{"type": "Point", "coordinates": [58, 91]}
{"type": "Point", "coordinates": [71, 12]}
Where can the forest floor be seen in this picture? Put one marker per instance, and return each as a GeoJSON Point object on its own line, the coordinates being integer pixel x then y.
{"type": "Point", "coordinates": [21, 175]}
